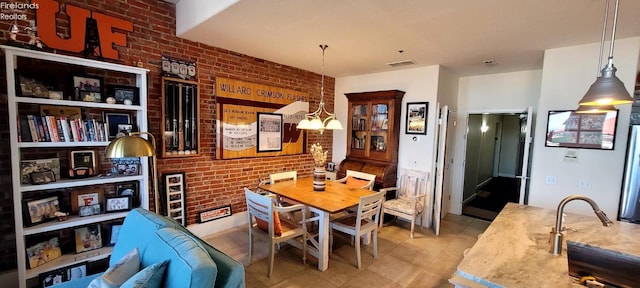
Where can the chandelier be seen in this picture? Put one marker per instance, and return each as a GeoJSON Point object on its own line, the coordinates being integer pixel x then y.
{"type": "Point", "coordinates": [608, 89]}
{"type": "Point", "coordinates": [314, 121]}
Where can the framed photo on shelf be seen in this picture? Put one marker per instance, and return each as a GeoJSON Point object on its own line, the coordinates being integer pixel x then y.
{"type": "Point", "coordinates": [83, 159]}
{"type": "Point", "coordinates": [174, 185]}
{"type": "Point", "coordinates": [85, 197]}
{"type": "Point", "coordinates": [88, 238]}
{"type": "Point", "coordinates": [125, 166]}
{"type": "Point", "coordinates": [117, 203]}
{"type": "Point", "coordinates": [43, 252]}
{"type": "Point", "coordinates": [114, 231]}
{"type": "Point", "coordinates": [89, 210]}
{"type": "Point", "coordinates": [43, 177]}
{"type": "Point", "coordinates": [38, 165]}
{"type": "Point", "coordinates": [64, 274]}
{"type": "Point", "coordinates": [269, 132]}
{"type": "Point", "coordinates": [39, 210]}
{"type": "Point", "coordinates": [30, 87]}
{"type": "Point", "coordinates": [416, 118]}
{"type": "Point", "coordinates": [113, 120]}
{"type": "Point", "coordinates": [129, 189]}
{"type": "Point", "coordinates": [88, 89]}
{"type": "Point", "coordinates": [124, 93]}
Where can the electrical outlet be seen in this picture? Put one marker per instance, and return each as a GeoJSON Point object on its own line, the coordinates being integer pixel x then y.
{"type": "Point", "coordinates": [550, 180]}
{"type": "Point", "coordinates": [584, 184]}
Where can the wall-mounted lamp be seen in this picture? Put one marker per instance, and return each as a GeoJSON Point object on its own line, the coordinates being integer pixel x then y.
{"type": "Point", "coordinates": [484, 128]}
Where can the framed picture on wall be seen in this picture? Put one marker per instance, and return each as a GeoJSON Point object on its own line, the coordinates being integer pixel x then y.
{"type": "Point", "coordinates": [417, 118]}
{"type": "Point", "coordinates": [269, 132]}
{"type": "Point", "coordinates": [174, 188]}
{"type": "Point", "coordinates": [566, 128]}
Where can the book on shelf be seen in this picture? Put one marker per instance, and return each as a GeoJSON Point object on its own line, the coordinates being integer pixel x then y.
{"type": "Point", "coordinates": [33, 128]}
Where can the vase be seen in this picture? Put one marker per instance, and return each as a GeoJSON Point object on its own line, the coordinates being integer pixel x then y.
{"type": "Point", "coordinates": [319, 178]}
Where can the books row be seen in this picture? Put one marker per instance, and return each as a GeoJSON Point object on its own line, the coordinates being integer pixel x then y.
{"type": "Point", "coordinates": [32, 128]}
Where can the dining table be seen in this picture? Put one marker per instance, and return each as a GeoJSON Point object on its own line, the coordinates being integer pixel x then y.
{"type": "Point", "coordinates": [336, 197]}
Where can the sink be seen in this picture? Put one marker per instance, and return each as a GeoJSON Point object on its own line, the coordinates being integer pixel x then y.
{"type": "Point", "coordinates": [607, 266]}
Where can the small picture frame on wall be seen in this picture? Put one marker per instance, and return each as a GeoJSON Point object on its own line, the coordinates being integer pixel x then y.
{"type": "Point", "coordinates": [174, 185]}
{"type": "Point", "coordinates": [417, 118]}
{"type": "Point", "coordinates": [269, 132]}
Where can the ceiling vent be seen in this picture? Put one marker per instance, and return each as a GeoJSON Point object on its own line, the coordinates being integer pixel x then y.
{"type": "Point", "coordinates": [401, 63]}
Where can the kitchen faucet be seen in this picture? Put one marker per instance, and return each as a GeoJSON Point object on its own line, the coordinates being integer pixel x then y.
{"type": "Point", "coordinates": [556, 233]}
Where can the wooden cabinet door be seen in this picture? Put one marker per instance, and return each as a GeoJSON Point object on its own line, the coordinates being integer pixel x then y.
{"type": "Point", "coordinates": [359, 126]}
{"type": "Point", "coordinates": [380, 130]}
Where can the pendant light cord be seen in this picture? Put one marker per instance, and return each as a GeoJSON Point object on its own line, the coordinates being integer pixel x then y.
{"type": "Point", "coordinates": [613, 30]}
{"type": "Point", "coordinates": [323, 47]}
{"type": "Point", "coordinates": [604, 32]}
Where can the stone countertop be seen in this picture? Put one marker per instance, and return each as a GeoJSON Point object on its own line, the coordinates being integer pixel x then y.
{"type": "Point", "coordinates": [514, 249]}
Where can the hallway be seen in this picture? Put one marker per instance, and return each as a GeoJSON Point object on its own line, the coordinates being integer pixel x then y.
{"type": "Point", "coordinates": [491, 198]}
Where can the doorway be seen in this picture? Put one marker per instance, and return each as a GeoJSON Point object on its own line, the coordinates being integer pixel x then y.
{"type": "Point", "coordinates": [495, 150]}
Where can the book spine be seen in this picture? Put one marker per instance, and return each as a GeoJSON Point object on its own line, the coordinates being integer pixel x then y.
{"type": "Point", "coordinates": [61, 136]}
{"type": "Point", "coordinates": [74, 130]}
{"type": "Point", "coordinates": [32, 128]}
{"type": "Point", "coordinates": [38, 122]}
{"type": "Point", "coordinates": [19, 129]}
{"type": "Point", "coordinates": [90, 130]}
{"type": "Point", "coordinates": [65, 129]}
{"type": "Point", "coordinates": [53, 128]}
{"type": "Point", "coordinates": [82, 130]}
{"type": "Point", "coordinates": [25, 129]}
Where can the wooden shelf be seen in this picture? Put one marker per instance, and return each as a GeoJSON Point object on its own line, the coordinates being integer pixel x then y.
{"type": "Point", "coordinates": [69, 259]}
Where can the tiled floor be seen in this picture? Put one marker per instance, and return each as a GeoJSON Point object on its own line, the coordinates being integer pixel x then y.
{"type": "Point", "coordinates": [425, 261]}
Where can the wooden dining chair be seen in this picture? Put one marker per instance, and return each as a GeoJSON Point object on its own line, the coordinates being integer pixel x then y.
{"type": "Point", "coordinates": [363, 222]}
{"type": "Point", "coordinates": [264, 222]}
{"type": "Point", "coordinates": [410, 196]}
{"type": "Point", "coordinates": [358, 179]}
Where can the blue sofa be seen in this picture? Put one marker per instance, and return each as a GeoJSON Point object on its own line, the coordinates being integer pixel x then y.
{"type": "Point", "coordinates": [192, 262]}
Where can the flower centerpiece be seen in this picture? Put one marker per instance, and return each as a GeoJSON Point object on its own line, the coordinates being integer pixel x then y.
{"type": "Point", "coordinates": [319, 172]}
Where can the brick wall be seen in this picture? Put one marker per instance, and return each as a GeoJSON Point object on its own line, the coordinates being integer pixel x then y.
{"type": "Point", "coordinates": [210, 183]}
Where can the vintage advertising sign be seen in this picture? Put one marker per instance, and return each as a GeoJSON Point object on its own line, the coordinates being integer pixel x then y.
{"type": "Point", "coordinates": [238, 105]}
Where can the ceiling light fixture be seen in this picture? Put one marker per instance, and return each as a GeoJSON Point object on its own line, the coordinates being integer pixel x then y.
{"type": "Point", "coordinates": [608, 89]}
{"type": "Point", "coordinates": [313, 121]}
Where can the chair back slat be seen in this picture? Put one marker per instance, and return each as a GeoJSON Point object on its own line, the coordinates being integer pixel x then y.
{"type": "Point", "coordinates": [259, 206]}
{"type": "Point", "coordinates": [412, 183]}
{"type": "Point", "coordinates": [282, 176]}
{"type": "Point", "coordinates": [369, 208]}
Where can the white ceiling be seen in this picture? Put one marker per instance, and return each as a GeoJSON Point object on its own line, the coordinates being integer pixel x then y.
{"type": "Point", "coordinates": [364, 35]}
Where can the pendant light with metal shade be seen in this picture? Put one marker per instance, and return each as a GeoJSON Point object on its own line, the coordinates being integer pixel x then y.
{"type": "Point", "coordinates": [608, 89]}
{"type": "Point", "coordinates": [313, 121]}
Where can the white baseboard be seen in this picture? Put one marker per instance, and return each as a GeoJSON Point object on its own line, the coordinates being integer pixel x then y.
{"type": "Point", "coordinates": [509, 175]}
{"type": "Point", "coordinates": [466, 201]}
{"type": "Point", "coordinates": [483, 183]}
{"type": "Point", "coordinates": [215, 226]}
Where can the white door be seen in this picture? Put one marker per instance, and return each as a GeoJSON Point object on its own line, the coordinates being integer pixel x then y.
{"type": "Point", "coordinates": [439, 171]}
{"type": "Point", "coordinates": [524, 175]}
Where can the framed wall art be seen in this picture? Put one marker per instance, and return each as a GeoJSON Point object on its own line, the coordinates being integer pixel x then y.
{"type": "Point", "coordinates": [174, 185]}
{"type": "Point", "coordinates": [113, 120]}
{"type": "Point", "coordinates": [214, 214]}
{"type": "Point", "coordinates": [269, 132]}
{"type": "Point", "coordinates": [565, 128]}
{"type": "Point", "coordinates": [88, 89]}
{"type": "Point", "coordinates": [180, 118]}
{"type": "Point", "coordinates": [417, 117]}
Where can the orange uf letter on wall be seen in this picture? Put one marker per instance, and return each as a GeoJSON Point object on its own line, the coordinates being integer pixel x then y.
{"type": "Point", "coordinates": [46, 19]}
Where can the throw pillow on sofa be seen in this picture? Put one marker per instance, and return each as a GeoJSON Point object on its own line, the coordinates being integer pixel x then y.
{"type": "Point", "coordinates": [119, 273]}
{"type": "Point", "coordinates": [150, 277]}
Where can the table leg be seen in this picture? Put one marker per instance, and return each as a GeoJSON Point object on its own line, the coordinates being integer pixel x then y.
{"type": "Point", "coordinates": [323, 239]}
